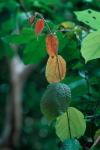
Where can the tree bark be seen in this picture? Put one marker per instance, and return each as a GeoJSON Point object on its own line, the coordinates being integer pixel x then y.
{"type": "Point", "coordinates": [13, 121]}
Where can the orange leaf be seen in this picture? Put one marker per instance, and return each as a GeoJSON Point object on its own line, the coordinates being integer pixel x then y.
{"type": "Point", "coordinates": [39, 26]}
{"type": "Point", "coordinates": [55, 69]}
{"type": "Point", "coordinates": [52, 44]}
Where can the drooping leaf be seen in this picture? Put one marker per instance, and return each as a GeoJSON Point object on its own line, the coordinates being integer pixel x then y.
{"type": "Point", "coordinates": [90, 48]}
{"type": "Point", "coordinates": [71, 123]}
{"type": "Point", "coordinates": [52, 44]}
{"type": "Point", "coordinates": [71, 144]}
{"type": "Point", "coordinates": [39, 26]}
{"type": "Point", "coordinates": [55, 69]}
{"type": "Point", "coordinates": [89, 17]}
{"type": "Point", "coordinates": [55, 100]}
{"type": "Point", "coordinates": [31, 20]}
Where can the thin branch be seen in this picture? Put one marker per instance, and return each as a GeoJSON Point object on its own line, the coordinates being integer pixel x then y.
{"type": "Point", "coordinates": [97, 142]}
{"type": "Point", "coordinates": [97, 116]}
{"type": "Point", "coordinates": [24, 8]}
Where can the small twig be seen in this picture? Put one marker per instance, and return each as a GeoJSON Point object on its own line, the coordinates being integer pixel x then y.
{"type": "Point", "coordinates": [97, 142]}
{"type": "Point", "coordinates": [48, 26]}
{"type": "Point", "coordinates": [25, 10]}
{"type": "Point", "coordinates": [93, 117]}
{"type": "Point", "coordinates": [88, 85]}
{"type": "Point", "coordinates": [64, 30]}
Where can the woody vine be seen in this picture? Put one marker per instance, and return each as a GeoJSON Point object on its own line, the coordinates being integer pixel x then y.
{"type": "Point", "coordinates": [55, 103]}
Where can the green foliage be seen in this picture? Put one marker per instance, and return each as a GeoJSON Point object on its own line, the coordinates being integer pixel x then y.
{"type": "Point", "coordinates": [78, 85]}
{"type": "Point", "coordinates": [89, 17]}
{"type": "Point", "coordinates": [26, 35]}
{"type": "Point", "coordinates": [35, 51]}
{"type": "Point", "coordinates": [90, 48]}
{"type": "Point", "coordinates": [50, 2]}
{"type": "Point", "coordinates": [6, 50]}
{"type": "Point", "coordinates": [71, 124]}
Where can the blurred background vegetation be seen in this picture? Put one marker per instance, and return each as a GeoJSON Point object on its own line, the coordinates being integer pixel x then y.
{"type": "Point", "coordinates": [83, 79]}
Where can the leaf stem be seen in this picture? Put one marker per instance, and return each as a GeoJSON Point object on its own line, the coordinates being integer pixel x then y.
{"type": "Point", "coordinates": [48, 27]}
{"type": "Point", "coordinates": [69, 125]}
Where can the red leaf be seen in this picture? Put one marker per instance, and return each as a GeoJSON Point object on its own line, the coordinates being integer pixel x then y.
{"type": "Point", "coordinates": [31, 20]}
{"type": "Point", "coordinates": [39, 26]}
{"type": "Point", "coordinates": [52, 44]}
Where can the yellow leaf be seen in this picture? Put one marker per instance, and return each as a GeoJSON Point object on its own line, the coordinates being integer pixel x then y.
{"type": "Point", "coordinates": [55, 69]}
{"type": "Point", "coordinates": [68, 25]}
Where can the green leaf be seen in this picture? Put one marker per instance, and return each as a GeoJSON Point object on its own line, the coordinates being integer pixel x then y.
{"type": "Point", "coordinates": [70, 52]}
{"type": "Point", "coordinates": [35, 50]}
{"type": "Point", "coordinates": [90, 48]}
{"type": "Point", "coordinates": [62, 41]}
{"type": "Point", "coordinates": [6, 50]}
{"type": "Point", "coordinates": [72, 120]}
{"type": "Point", "coordinates": [78, 86]}
{"type": "Point", "coordinates": [26, 35]}
{"type": "Point", "coordinates": [50, 2]}
{"type": "Point", "coordinates": [71, 144]}
{"type": "Point", "coordinates": [55, 100]}
{"type": "Point", "coordinates": [89, 17]}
